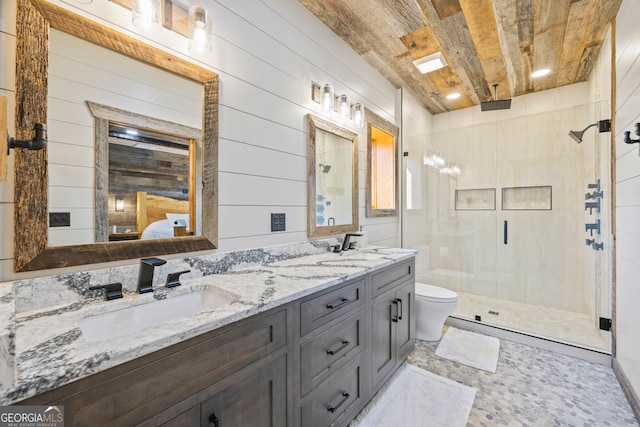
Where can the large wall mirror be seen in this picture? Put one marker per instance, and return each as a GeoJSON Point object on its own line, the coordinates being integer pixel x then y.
{"type": "Point", "coordinates": [194, 212]}
{"type": "Point", "coordinates": [382, 167]}
{"type": "Point", "coordinates": [332, 165]}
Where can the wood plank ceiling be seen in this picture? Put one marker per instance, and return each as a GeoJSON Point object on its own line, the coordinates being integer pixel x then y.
{"type": "Point", "coordinates": [485, 42]}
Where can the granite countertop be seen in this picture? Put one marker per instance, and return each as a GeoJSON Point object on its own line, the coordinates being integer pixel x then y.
{"type": "Point", "coordinates": [51, 350]}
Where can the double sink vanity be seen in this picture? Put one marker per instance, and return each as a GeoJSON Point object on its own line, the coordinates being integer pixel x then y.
{"type": "Point", "coordinates": [297, 340]}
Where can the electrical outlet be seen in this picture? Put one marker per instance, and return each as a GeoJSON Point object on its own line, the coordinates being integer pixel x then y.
{"type": "Point", "coordinates": [278, 222]}
{"type": "Point", "coordinates": [59, 219]}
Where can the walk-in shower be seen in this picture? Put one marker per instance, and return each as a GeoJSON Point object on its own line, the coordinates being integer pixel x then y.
{"type": "Point", "coordinates": [511, 233]}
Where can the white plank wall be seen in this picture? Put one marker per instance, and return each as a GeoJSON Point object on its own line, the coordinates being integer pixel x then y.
{"type": "Point", "coordinates": [627, 183]}
{"type": "Point", "coordinates": [267, 54]}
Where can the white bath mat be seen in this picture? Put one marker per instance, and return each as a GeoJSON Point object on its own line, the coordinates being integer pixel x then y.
{"type": "Point", "coordinates": [476, 350]}
{"type": "Point", "coordinates": [417, 398]}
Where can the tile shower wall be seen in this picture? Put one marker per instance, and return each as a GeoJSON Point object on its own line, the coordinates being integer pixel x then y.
{"type": "Point", "coordinates": [627, 182]}
{"type": "Point", "coordinates": [267, 54]}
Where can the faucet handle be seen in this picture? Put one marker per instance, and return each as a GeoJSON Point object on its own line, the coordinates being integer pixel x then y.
{"type": "Point", "coordinates": [173, 279]}
{"type": "Point", "coordinates": [111, 291]}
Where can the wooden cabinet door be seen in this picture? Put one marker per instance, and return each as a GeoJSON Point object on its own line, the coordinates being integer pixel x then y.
{"type": "Point", "coordinates": [255, 397]}
{"type": "Point", "coordinates": [383, 337]}
{"type": "Point", "coordinates": [405, 326]}
{"type": "Point", "coordinates": [187, 418]}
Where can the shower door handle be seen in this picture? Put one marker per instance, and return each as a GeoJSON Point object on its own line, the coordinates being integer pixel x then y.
{"type": "Point", "coordinates": [506, 232]}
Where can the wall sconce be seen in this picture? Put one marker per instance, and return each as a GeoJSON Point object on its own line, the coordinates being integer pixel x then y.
{"type": "Point", "coordinates": [119, 204]}
{"type": "Point", "coordinates": [199, 31]}
{"type": "Point", "coordinates": [38, 142]}
{"type": "Point", "coordinates": [344, 107]}
{"type": "Point", "coordinates": [358, 115]}
{"type": "Point", "coordinates": [327, 97]}
{"type": "Point", "coordinates": [603, 126]}
{"type": "Point", "coordinates": [627, 137]}
{"type": "Point", "coordinates": [146, 15]}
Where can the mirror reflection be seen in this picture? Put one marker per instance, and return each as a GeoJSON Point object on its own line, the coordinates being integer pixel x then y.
{"type": "Point", "coordinates": [333, 178]}
{"type": "Point", "coordinates": [382, 167]}
{"type": "Point", "coordinates": [149, 184]}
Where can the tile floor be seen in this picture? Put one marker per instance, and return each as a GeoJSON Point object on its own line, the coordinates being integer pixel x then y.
{"type": "Point", "coordinates": [535, 387]}
{"type": "Point", "coordinates": [566, 326]}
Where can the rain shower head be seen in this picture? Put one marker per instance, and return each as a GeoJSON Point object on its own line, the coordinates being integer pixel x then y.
{"type": "Point", "coordinates": [603, 126]}
{"type": "Point", "coordinates": [325, 168]}
{"type": "Point", "coordinates": [496, 104]}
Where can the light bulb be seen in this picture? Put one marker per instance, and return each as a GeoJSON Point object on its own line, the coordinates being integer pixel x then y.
{"type": "Point", "coordinates": [327, 97]}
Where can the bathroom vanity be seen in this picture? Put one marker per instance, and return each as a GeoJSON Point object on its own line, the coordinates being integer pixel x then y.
{"type": "Point", "coordinates": [306, 342]}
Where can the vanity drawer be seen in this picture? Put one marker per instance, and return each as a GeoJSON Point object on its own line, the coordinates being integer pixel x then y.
{"type": "Point", "coordinates": [392, 276]}
{"type": "Point", "coordinates": [322, 355]}
{"type": "Point", "coordinates": [338, 399]}
{"type": "Point", "coordinates": [328, 306]}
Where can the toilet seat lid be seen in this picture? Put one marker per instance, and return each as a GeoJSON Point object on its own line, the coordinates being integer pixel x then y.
{"type": "Point", "coordinates": [435, 293]}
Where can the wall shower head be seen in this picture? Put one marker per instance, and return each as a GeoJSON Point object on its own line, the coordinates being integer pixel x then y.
{"type": "Point", "coordinates": [603, 126]}
{"type": "Point", "coordinates": [325, 168]}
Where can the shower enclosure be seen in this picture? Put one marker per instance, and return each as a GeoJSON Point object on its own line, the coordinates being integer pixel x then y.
{"type": "Point", "coordinates": [503, 210]}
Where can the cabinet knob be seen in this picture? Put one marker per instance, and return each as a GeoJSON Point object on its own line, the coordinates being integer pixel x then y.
{"type": "Point", "coordinates": [213, 419]}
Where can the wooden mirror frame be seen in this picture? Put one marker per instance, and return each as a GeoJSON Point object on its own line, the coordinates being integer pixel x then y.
{"type": "Point", "coordinates": [314, 123]}
{"type": "Point", "coordinates": [372, 119]}
{"type": "Point", "coordinates": [31, 191]}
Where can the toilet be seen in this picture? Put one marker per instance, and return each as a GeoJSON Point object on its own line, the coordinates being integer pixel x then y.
{"type": "Point", "coordinates": [433, 305]}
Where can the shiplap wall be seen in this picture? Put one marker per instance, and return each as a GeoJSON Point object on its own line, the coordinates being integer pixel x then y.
{"type": "Point", "coordinates": [267, 54]}
{"type": "Point", "coordinates": [627, 182]}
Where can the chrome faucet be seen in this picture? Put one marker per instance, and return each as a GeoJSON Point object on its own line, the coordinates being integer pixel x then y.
{"type": "Point", "coordinates": [347, 238]}
{"type": "Point", "coordinates": [145, 274]}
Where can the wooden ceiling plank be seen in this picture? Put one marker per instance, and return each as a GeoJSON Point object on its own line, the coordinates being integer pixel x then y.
{"type": "Point", "coordinates": [459, 49]}
{"type": "Point", "coordinates": [484, 32]}
{"type": "Point", "coordinates": [507, 24]}
{"type": "Point", "coordinates": [446, 8]}
{"type": "Point", "coordinates": [578, 23]}
{"type": "Point", "coordinates": [524, 12]}
{"type": "Point", "coordinates": [550, 20]}
{"type": "Point", "coordinates": [404, 16]}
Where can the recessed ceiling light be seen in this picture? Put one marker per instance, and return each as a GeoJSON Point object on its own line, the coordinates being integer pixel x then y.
{"type": "Point", "coordinates": [540, 73]}
{"type": "Point", "coordinates": [454, 95]}
{"type": "Point", "coordinates": [430, 63]}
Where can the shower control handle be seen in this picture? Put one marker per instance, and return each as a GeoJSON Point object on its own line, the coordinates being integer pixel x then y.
{"type": "Point", "coordinates": [505, 232]}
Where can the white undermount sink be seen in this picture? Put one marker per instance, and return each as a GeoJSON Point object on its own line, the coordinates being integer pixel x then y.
{"type": "Point", "coordinates": [131, 319]}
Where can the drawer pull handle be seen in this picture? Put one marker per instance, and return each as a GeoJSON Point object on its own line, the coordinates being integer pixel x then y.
{"type": "Point", "coordinates": [400, 309]}
{"type": "Point", "coordinates": [342, 302]}
{"type": "Point", "coordinates": [345, 343]}
{"type": "Point", "coordinates": [213, 419]}
{"type": "Point", "coordinates": [345, 397]}
{"type": "Point", "coordinates": [396, 317]}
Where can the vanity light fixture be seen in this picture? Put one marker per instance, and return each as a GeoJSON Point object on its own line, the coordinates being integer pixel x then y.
{"type": "Point", "coordinates": [327, 97]}
{"type": "Point", "coordinates": [199, 31]}
{"type": "Point", "coordinates": [430, 63]}
{"type": "Point", "coordinates": [358, 115]}
{"type": "Point", "coordinates": [119, 204]}
{"type": "Point", "coordinates": [344, 107]}
{"type": "Point", "coordinates": [146, 15]}
{"type": "Point", "coordinates": [38, 142]}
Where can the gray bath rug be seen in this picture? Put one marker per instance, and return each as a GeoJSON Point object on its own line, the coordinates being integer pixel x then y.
{"type": "Point", "coordinates": [415, 397]}
{"type": "Point", "coordinates": [469, 348]}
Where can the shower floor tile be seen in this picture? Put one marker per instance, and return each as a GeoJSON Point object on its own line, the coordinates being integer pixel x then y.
{"type": "Point", "coordinates": [565, 326]}
{"type": "Point", "coordinates": [535, 387]}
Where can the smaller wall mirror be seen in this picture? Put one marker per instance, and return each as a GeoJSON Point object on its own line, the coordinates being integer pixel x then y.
{"type": "Point", "coordinates": [382, 167]}
{"type": "Point", "coordinates": [332, 167]}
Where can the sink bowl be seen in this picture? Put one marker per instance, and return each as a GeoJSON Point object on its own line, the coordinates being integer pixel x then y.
{"type": "Point", "coordinates": [131, 319]}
